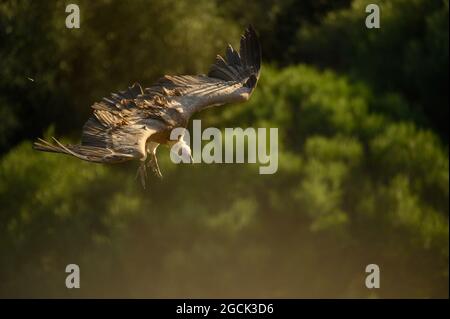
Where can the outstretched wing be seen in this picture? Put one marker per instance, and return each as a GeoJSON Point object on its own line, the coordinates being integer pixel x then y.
{"type": "Point", "coordinates": [121, 125]}
{"type": "Point", "coordinates": [117, 131]}
{"type": "Point", "coordinates": [243, 66]}
{"type": "Point", "coordinates": [230, 79]}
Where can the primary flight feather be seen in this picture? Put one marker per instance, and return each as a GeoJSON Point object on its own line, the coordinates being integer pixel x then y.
{"type": "Point", "coordinates": [131, 124]}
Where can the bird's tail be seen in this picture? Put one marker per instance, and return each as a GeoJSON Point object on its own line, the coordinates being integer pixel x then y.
{"type": "Point", "coordinates": [44, 146]}
{"type": "Point", "coordinates": [86, 153]}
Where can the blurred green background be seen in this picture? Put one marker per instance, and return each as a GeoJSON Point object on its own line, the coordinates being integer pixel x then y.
{"type": "Point", "coordinates": [363, 171]}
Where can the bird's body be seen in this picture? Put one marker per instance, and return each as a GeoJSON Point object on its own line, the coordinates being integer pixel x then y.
{"type": "Point", "coordinates": [131, 124]}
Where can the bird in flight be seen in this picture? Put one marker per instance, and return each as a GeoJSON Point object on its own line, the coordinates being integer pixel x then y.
{"type": "Point", "coordinates": [131, 124]}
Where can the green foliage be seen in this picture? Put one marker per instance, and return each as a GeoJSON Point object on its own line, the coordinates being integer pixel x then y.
{"type": "Point", "coordinates": [408, 54]}
{"type": "Point", "coordinates": [353, 187]}
{"type": "Point", "coordinates": [363, 173]}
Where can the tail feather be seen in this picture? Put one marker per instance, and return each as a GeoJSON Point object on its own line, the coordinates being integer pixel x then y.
{"type": "Point", "coordinates": [86, 153]}
{"type": "Point", "coordinates": [44, 146]}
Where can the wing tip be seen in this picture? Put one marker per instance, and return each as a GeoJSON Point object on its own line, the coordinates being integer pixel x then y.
{"type": "Point", "coordinates": [251, 47]}
{"type": "Point", "coordinates": [250, 29]}
{"type": "Point", "coordinates": [248, 59]}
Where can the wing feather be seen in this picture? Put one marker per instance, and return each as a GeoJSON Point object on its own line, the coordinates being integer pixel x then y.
{"type": "Point", "coordinates": [122, 123]}
{"type": "Point", "coordinates": [118, 130]}
{"type": "Point", "coordinates": [229, 80]}
{"type": "Point", "coordinates": [242, 65]}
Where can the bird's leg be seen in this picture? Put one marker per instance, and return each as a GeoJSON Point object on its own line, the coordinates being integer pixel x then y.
{"type": "Point", "coordinates": [142, 172]}
{"type": "Point", "coordinates": [153, 163]}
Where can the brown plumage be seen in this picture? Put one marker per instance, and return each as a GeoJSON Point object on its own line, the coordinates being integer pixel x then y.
{"type": "Point", "coordinates": [132, 123]}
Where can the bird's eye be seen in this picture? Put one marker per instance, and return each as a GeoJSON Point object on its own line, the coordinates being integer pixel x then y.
{"type": "Point", "coordinates": [251, 82]}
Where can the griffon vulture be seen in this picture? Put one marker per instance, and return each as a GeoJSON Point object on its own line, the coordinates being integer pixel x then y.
{"type": "Point", "coordinates": [131, 124]}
